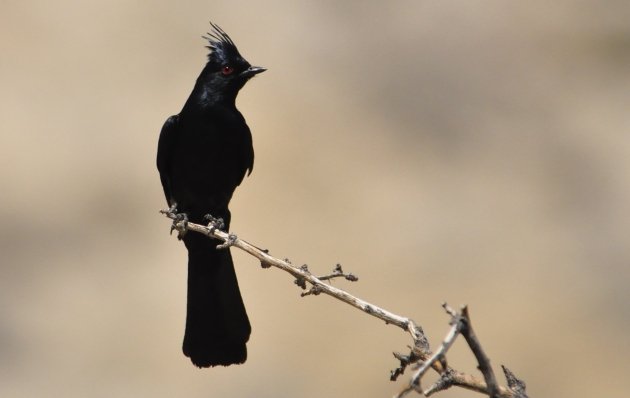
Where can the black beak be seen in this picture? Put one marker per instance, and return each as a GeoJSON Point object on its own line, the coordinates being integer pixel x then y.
{"type": "Point", "coordinates": [251, 71]}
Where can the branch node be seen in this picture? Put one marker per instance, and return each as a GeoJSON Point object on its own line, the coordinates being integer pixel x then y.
{"type": "Point", "coordinates": [300, 281]}
{"type": "Point", "coordinates": [314, 290]}
{"type": "Point", "coordinates": [445, 381]}
{"type": "Point", "coordinates": [420, 341]}
{"type": "Point", "coordinates": [231, 239]}
{"type": "Point", "coordinates": [405, 360]}
{"type": "Point", "coordinates": [264, 264]}
{"type": "Point", "coordinates": [515, 385]}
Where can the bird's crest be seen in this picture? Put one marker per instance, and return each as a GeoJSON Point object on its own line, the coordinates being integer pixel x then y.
{"type": "Point", "coordinates": [220, 44]}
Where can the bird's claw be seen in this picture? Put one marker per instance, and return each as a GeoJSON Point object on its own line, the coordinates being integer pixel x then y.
{"type": "Point", "coordinates": [214, 223]}
{"type": "Point", "coordinates": [171, 211]}
{"type": "Point", "coordinates": [180, 221]}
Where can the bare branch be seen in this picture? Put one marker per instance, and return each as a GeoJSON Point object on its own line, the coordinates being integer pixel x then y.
{"type": "Point", "coordinates": [460, 324]}
{"type": "Point", "coordinates": [419, 352]}
{"type": "Point", "coordinates": [482, 358]}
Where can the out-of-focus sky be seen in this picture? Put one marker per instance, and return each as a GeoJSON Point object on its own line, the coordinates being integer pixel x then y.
{"type": "Point", "coordinates": [476, 152]}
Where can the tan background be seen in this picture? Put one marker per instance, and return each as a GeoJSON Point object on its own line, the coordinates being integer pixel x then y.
{"type": "Point", "coordinates": [470, 151]}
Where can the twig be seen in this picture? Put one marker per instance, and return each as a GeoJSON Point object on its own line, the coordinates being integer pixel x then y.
{"type": "Point", "coordinates": [482, 358]}
{"type": "Point", "coordinates": [414, 384]}
{"type": "Point", "coordinates": [338, 273]}
{"type": "Point", "coordinates": [460, 324]}
{"type": "Point", "coordinates": [404, 323]}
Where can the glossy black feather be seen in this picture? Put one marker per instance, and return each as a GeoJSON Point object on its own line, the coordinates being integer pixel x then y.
{"type": "Point", "coordinates": [203, 154]}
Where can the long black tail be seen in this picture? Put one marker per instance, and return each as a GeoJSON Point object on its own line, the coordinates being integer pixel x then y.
{"type": "Point", "coordinates": [217, 326]}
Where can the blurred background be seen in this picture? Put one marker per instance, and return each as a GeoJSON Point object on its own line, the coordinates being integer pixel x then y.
{"type": "Point", "coordinates": [467, 151]}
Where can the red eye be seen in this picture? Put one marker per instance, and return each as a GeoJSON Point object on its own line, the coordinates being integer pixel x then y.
{"type": "Point", "coordinates": [227, 70]}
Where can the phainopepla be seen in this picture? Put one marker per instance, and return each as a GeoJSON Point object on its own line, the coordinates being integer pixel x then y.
{"type": "Point", "coordinates": [203, 155]}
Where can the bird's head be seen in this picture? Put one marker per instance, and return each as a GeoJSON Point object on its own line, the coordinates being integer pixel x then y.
{"type": "Point", "coordinates": [226, 71]}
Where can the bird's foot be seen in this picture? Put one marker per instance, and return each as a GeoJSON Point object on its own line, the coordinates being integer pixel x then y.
{"type": "Point", "coordinates": [171, 211]}
{"type": "Point", "coordinates": [180, 221]}
{"type": "Point", "coordinates": [214, 223]}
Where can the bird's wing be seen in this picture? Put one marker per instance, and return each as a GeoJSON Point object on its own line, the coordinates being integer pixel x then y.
{"type": "Point", "coordinates": [250, 153]}
{"type": "Point", "coordinates": [166, 144]}
{"type": "Point", "coordinates": [246, 154]}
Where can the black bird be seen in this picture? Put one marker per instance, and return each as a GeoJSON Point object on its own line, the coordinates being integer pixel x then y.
{"type": "Point", "coordinates": [203, 154]}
